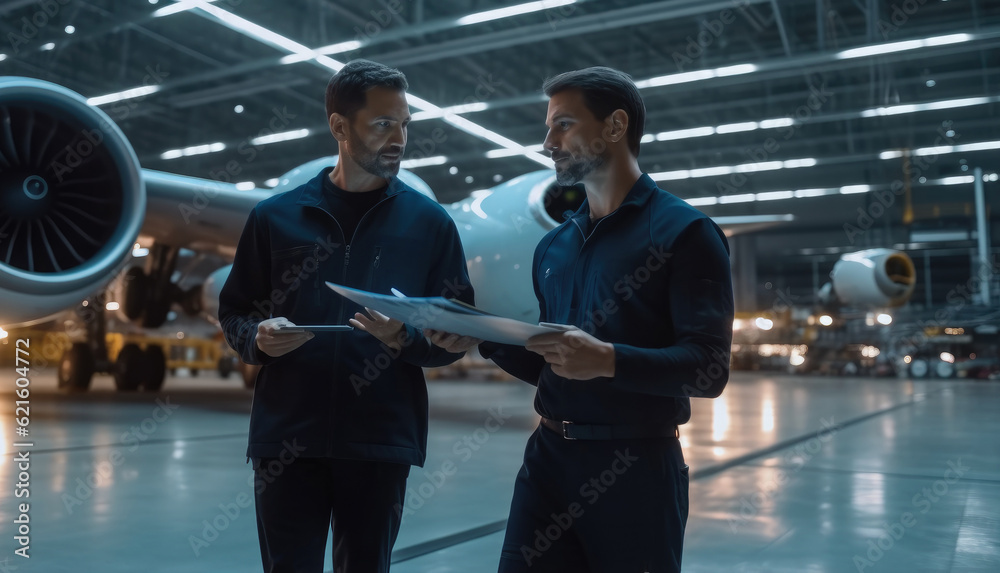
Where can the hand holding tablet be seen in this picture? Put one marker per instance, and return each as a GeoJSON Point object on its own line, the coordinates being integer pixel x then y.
{"type": "Point", "coordinates": [313, 328]}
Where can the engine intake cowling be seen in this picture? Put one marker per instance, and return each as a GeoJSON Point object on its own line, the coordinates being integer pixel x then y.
{"type": "Point", "coordinates": [72, 199]}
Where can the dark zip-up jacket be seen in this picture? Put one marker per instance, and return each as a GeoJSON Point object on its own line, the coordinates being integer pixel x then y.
{"type": "Point", "coordinates": [653, 278]}
{"type": "Point", "coordinates": [345, 394]}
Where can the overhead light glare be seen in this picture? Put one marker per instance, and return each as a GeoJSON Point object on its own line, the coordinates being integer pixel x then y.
{"type": "Point", "coordinates": [509, 11]}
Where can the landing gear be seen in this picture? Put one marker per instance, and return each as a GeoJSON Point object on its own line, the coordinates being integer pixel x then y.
{"type": "Point", "coordinates": [130, 368]}
{"type": "Point", "coordinates": [76, 368]}
{"type": "Point", "coordinates": [156, 367]}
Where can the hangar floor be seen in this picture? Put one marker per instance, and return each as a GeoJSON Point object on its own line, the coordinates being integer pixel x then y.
{"type": "Point", "coordinates": [789, 474]}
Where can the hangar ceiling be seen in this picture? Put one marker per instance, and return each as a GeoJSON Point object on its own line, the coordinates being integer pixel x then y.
{"type": "Point", "coordinates": [754, 106]}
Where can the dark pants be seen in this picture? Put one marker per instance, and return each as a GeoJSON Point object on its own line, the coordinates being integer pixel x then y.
{"type": "Point", "coordinates": [597, 506]}
{"type": "Point", "coordinates": [297, 503]}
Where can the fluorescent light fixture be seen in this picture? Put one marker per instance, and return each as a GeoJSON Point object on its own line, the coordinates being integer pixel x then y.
{"type": "Point", "coordinates": [762, 166]}
{"type": "Point", "coordinates": [939, 150]}
{"type": "Point", "coordinates": [742, 198]}
{"type": "Point", "coordinates": [685, 133]}
{"type": "Point", "coordinates": [737, 127]}
{"type": "Point", "coordinates": [981, 146]}
{"type": "Point", "coordinates": [796, 163]}
{"type": "Point", "coordinates": [423, 162]}
{"type": "Point", "coordinates": [279, 137]}
{"type": "Point", "coordinates": [711, 171]}
{"type": "Point", "coordinates": [850, 189]}
{"type": "Point", "coordinates": [959, 180]}
{"type": "Point", "coordinates": [509, 11]}
{"type": "Point", "coordinates": [443, 111]}
{"type": "Point", "coordinates": [892, 47]}
{"type": "Point", "coordinates": [495, 153]}
{"type": "Point", "coordinates": [673, 79]}
{"type": "Point", "coordinates": [777, 122]}
{"type": "Point", "coordinates": [775, 195]}
{"type": "Point", "coordinates": [272, 183]}
{"type": "Point", "coordinates": [928, 106]}
{"type": "Point", "coordinates": [127, 94]}
{"type": "Point", "coordinates": [246, 186]}
{"type": "Point", "coordinates": [194, 150]}
{"type": "Point", "coordinates": [647, 137]}
{"type": "Point", "coordinates": [180, 6]}
{"type": "Point", "coordinates": [800, 193]}
{"type": "Point", "coordinates": [736, 70]}
{"type": "Point", "coordinates": [700, 201]}
{"type": "Point", "coordinates": [48, 47]}
{"type": "Point", "coordinates": [340, 47]}
{"type": "Point", "coordinates": [483, 133]}
{"type": "Point", "coordinates": [3, 57]}
{"type": "Point", "coordinates": [671, 175]}
{"type": "Point", "coordinates": [895, 154]}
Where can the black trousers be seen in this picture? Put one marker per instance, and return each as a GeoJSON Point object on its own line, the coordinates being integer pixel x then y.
{"type": "Point", "coordinates": [597, 506]}
{"type": "Point", "coordinates": [298, 502]}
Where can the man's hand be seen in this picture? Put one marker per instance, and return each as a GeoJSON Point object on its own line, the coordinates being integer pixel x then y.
{"type": "Point", "coordinates": [454, 343]}
{"type": "Point", "coordinates": [380, 326]}
{"type": "Point", "coordinates": [275, 345]}
{"type": "Point", "coordinates": [574, 354]}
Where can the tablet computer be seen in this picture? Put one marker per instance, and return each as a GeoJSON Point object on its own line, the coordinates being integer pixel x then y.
{"type": "Point", "coordinates": [314, 328]}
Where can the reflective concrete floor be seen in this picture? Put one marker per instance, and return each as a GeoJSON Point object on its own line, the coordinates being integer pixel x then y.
{"type": "Point", "coordinates": [788, 474]}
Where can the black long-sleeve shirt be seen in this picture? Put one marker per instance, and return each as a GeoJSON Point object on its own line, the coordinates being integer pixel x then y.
{"type": "Point", "coordinates": [654, 279]}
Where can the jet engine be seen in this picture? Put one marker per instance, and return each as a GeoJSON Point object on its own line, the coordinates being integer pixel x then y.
{"type": "Point", "coordinates": [72, 200]}
{"type": "Point", "coordinates": [872, 278]}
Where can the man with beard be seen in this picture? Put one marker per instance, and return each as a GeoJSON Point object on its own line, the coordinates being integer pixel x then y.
{"type": "Point", "coordinates": [644, 279]}
{"type": "Point", "coordinates": [338, 418]}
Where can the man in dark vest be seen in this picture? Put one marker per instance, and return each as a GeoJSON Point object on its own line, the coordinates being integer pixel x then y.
{"type": "Point", "coordinates": [645, 280]}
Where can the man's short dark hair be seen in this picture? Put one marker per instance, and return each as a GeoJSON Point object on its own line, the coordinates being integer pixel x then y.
{"type": "Point", "coordinates": [605, 90]}
{"type": "Point", "coordinates": [345, 94]}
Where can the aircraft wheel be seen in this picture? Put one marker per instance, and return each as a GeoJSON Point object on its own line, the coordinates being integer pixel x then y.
{"type": "Point", "coordinates": [136, 285]}
{"type": "Point", "coordinates": [156, 366]}
{"type": "Point", "coordinates": [76, 368]}
{"type": "Point", "coordinates": [130, 368]}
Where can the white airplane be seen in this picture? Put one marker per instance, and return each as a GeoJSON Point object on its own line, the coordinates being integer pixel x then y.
{"type": "Point", "coordinates": [74, 201]}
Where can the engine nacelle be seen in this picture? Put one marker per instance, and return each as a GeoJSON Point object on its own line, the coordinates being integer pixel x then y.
{"type": "Point", "coordinates": [72, 199]}
{"type": "Point", "coordinates": [873, 278]}
{"type": "Point", "coordinates": [500, 229]}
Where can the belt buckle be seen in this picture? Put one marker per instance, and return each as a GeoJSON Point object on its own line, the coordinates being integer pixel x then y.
{"type": "Point", "coordinates": [565, 427]}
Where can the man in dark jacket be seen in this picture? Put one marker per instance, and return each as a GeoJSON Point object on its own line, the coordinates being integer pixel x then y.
{"type": "Point", "coordinates": [645, 279]}
{"type": "Point", "coordinates": [338, 418]}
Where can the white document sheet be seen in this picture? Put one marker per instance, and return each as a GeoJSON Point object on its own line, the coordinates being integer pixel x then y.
{"type": "Point", "coordinates": [447, 315]}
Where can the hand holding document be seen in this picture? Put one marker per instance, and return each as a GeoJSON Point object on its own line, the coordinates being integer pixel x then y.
{"type": "Point", "coordinates": [446, 315]}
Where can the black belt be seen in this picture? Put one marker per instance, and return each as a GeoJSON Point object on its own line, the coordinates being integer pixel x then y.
{"type": "Point", "coordinates": [573, 431]}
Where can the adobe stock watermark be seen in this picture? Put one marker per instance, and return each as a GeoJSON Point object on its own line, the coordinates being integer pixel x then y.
{"type": "Point", "coordinates": [229, 512]}
{"type": "Point", "coordinates": [591, 492]}
{"type": "Point", "coordinates": [32, 25]}
{"type": "Point", "coordinates": [280, 119]}
{"type": "Point", "coordinates": [711, 30]}
{"type": "Point", "coordinates": [105, 469]}
{"type": "Point", "coordinates": [81, 150]}
{"type": "Point", "coordinates": [375, 366]}
{"type": "Point", "coordinates": [957, 298]}
{"type": "Point", "coordinates": [895, 532]}
{"type": "Point", "coordinates": [418, 495]}
{"type": "Point", "coordinates": [485, 88]}
{"type": "Point", "coordinates": [886, 198]}
{"type": "Point", "coordinates": [797, 457]}
{"type": "Point", "coordinates": [899, 14]}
